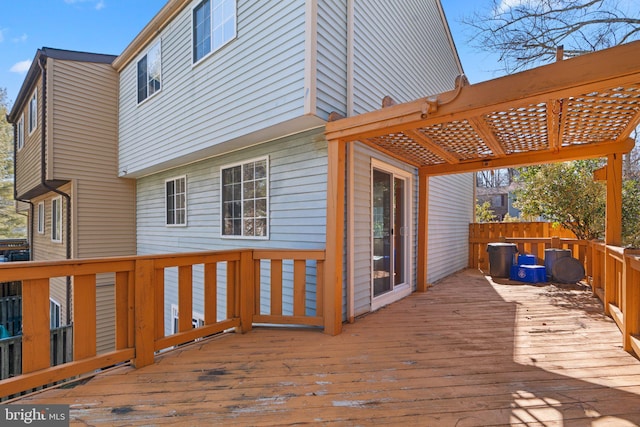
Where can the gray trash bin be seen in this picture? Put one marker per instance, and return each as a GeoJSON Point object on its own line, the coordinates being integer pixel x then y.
{"type": "Point", "coordinates": [501, 258]}
{"type": "Point", "coordinates": [551, 256]}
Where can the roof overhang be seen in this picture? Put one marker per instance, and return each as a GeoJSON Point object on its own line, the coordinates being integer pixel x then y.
{"type": "Point", "coordinates": [584, 107]}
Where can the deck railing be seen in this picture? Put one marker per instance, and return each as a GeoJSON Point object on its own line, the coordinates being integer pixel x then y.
{"type": "Point", "coordinates": [616, 281]}
{"type": "Point", "coordinates": [239, 276]}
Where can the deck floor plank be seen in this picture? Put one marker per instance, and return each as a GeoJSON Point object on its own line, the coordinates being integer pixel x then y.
{"type": "Point", "coordinates": [469, 352]}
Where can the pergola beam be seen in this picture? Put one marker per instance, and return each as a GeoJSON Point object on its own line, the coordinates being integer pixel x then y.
{"type": "Point", "coordinates": [481, 127]}
{"type": "Point", "coordinates": [574, 152]}
{"type": "Point", "coordinates": [617, 66]}
{"type": "Point", "coordinates": [427, 143]}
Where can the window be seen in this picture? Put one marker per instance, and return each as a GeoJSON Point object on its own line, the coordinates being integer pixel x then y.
{"type": "Point", "coordinates": [176, 201]}
{"type": "Point", "coordinates": [41, 217]}
{"type": "Point", "coordinates": [20, 133]}
{"type": "Point", "coordinates": [56, 219]}
{"type": "Point", "coordinates": [54, 314]}
{"type": "Point", "coordinates": [197, 319]}
{"type": "Point", "coordinates": [214, 24]}
{"type": "Point", "coordinates": [149, 73]}
{"type": "Point", "coordinates": [245, 199]}
{"type": "Point", "coordinates": [33, 111]}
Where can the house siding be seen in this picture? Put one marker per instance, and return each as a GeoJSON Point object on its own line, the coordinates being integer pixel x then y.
{"type": "Point", "coordinates": [401, 49]}
{"type": "Point", "coordinates": [331, 58]}
{"type": "Point", "coordinates": [254, 82]}
{"type": "Point", "coordinates": [450, 212]}
{"type": "Point", "coordinates": [297, 198]}
{"type": "Point", "coordinates": [27, 171]}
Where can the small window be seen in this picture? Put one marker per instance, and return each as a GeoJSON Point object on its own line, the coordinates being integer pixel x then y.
{"type": "Point", "coordinates": [33, 112]}
{"type": "Point", "coordinates": [56, 219]}
{"type": "Point", "coordinates": [20, 133]}
{"type": "Point", "coordinates": [214, 24]}
{"type": "Point", "coordinates": [176, 201]}
{"type": "Point", "coordinates": [245, 210]}
{"type": "Point", "coordinates": [41, 217]}
{"type": "Point", "coordinates": [197, 319]}
{"type": "Point", "coordinates": [150, 73]}
{"type": "Point", "coordinates": [54, 314]}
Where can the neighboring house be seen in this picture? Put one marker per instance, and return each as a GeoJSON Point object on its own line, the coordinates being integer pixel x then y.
{"type": "Point", "coordinates": [500, 199]}
{"type": "Point", "coordinates": [65, 127]}
{"type": "Point", "coordinates": [221, 118]}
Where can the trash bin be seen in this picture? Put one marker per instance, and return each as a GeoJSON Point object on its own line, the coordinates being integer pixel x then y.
{"type": "Point", "coordinates": [501, 258]}
{"type": "Point", "coordinates": [550, 258]}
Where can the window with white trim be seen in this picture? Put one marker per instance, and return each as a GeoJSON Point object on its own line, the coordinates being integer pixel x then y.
{"type": "Point", "coordinates": [150, 73]}
{"type": "Point", "coordinates": [20, 133]}
{"type": "Point", "coordinates": [176, 201]}
{"type": "Point", "coordinates": [54, 314]}
{"type": "Point", "coordinates": [213, 25]}
{"type": "Point", "coordinates": [56, 219]}
{"type": "Point", "coordinates": [33, 111]}
{"type": "Point", "coordinates": [41, 217]}
{"type": "Point", "coordinates": [245, 197]}
{"type": "Point", "coordinates": [197, 319]}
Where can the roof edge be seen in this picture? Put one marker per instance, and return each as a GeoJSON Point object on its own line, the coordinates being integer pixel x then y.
{"type": "Point", "coordinates": [157, 24]}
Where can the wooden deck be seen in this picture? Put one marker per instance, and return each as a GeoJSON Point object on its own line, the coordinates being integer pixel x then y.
{"type": "Point", "coordinates": [469, 352]}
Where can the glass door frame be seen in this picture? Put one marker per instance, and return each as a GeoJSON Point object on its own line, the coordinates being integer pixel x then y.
{"type": "Point", "coordinates": [403, 289]}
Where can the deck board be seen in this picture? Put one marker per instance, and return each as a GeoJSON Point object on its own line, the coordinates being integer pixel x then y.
{"type": "Point", "coordinates": [469, 352]}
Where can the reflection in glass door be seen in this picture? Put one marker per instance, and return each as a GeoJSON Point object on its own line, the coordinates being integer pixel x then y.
{"type": "Point", "coordinates": [389, 239]}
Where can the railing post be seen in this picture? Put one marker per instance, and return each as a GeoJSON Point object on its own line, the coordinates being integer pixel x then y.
{"type": "Point", "coordinates": [555, 242]}
{"type": "Point", "coordinates": [630, 300]}
{"type": "Point", "coordinates": [144, 313]}
{"type": "Point", "coordinates": [36, 338]}
{"type": "Point", "coordinates": [247, 290]}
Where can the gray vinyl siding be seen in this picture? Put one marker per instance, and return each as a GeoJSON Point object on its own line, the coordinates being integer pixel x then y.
{"type": "Point", "coordinates": [401, 49]}
{"type": "Point", "coordinates": [297, 197]}
{"type": "Point", "coordinates": [450, 212]}
{"type": "Point", "coordinates": [254, 82]}
{"type": "Point", "coordinates": [331, 58]}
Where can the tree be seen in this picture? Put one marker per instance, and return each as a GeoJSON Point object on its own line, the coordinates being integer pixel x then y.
{"type": "Point", "coordinates": [11, 224]}
{"type": "Point", "coordinates": [527, 33]}
{"type": "Point", "coordinates": [567, 194]}
{"type": "Point", "coordinates": [484, 213]}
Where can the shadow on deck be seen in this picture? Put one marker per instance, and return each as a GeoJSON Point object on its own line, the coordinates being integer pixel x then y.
{"type": "Point", "coordinates": [469, 352]}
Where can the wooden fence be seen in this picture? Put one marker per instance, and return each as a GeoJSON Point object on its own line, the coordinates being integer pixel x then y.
{"type": "Point", "coordinates": [252, 282]}
{"type": "Point", "coordinates": [531, 237]}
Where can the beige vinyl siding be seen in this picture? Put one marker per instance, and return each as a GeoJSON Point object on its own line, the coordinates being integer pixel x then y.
{"type": "Point", "coordinates": [28, 158]}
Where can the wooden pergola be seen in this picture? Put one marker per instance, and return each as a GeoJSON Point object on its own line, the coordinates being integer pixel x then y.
{"type": "Point", "coordinates": [580, 108]}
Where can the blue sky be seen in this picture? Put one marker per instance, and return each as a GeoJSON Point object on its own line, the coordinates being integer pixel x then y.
{"type": "Point", "coordinates": [107, 26]}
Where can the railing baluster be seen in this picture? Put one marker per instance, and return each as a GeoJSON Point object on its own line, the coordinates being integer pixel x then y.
{"type": "Point", "coordinates": [35, 325]}
{"type": "Point", "coordinates": [276, 287]}
{"type": "Point", "coordinates": [84, 316]}
{"type": "Point", "coordinates": [122, 309]}
{"type": "Point", "coordinates": [185, 297]}
{"type": "Point", "coordinates": [299, 291]}
{"type": "Point", "coordinates": [210, 293]}
{"type": "Point", "coordinates": [158, 286]}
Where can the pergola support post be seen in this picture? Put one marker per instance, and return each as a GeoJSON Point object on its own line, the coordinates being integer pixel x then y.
{"type": "Point", "coordinates": [613, 227]}
{"type": "Point", "coordinates": [336, 154]}
{"type": "Point", "coordinates": [423, 227]}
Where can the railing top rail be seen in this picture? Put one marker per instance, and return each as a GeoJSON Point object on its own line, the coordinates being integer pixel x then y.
{"type": "Point", "coordinates": [297, 254]}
